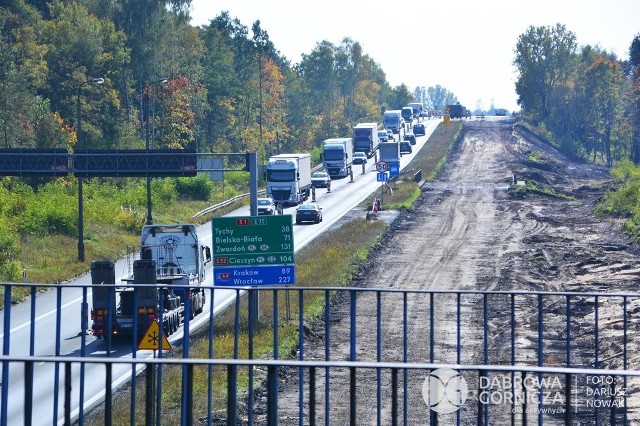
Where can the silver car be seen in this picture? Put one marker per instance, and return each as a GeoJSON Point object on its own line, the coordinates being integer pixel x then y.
{"type": "Point", "coordinates": [266, 206]}
{"type": "Point", "coordinates": [359, 158]}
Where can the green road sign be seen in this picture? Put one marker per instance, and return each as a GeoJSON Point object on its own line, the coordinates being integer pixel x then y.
{"type": "Point", "coordinates": [243, 241]}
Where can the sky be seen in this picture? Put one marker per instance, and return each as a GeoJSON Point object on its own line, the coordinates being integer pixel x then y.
{"type": "Point", "coordinates": [466, 46]}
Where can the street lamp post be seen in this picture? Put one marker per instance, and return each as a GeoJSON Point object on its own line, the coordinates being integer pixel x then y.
{"type": "Point", "coordinates": [160, 81]}
{"type": "Point", "coordinates": [79, 145]}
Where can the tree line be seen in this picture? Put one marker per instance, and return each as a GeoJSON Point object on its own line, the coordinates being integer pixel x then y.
{"type": "Point", "coordinates": [167, 84]}
{"type": "Point", "coordinates": [586, 98]}
{"type": "Point", "coordinates": [136, 74]}
{"type": "Point", "coordinates": [223, 88]}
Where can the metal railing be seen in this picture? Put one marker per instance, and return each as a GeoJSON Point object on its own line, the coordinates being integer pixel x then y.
{"type": "Point", "coordinates": [411, 357]}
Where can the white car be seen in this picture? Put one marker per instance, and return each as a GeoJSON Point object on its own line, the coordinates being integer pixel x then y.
{"type": "Point", "coordinates": [266, 206]}
{"type": "Point", "coordinates": [359, 158]}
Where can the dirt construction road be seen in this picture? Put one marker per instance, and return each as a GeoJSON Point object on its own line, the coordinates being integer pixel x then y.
{"type": "Point", "coordinates": [471, 231]}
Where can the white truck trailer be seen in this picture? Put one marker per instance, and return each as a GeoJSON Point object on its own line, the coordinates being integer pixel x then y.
{"type": "Point", "coordinates": [389, 152]}
{"type": "Point", "coordinates": [365, 138]}
{"type": "Point", "coordinates": [289, 178]}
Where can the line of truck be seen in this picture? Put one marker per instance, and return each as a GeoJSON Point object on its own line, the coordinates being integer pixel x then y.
{"type": "Point", "coordinates": [288, 176]}
{"type": "Point", "coordinates": [165, 283]}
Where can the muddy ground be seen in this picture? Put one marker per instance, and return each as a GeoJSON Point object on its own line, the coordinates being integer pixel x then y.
{"type": "Point", "coordinates": [472, 231]}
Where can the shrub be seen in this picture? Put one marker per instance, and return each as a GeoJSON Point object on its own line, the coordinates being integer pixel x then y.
{"type": "Point", "coordinates": [49, 214]}
{"type": "Point", "coordinates": [9, 251]}
{"type": "Point", "coordinates": [195, 188]}
{"type": "Point", "coordinates": [129, 219]}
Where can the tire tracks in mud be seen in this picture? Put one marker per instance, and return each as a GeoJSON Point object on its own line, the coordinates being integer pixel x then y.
{"type": "Point", "coordinates": [469, 233]}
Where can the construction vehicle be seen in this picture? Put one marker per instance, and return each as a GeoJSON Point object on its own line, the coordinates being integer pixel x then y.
{"type": "Point", "coordinates": [289, 178]}
{"type": "Point", "coordinates": [455, 111]}
{"type": "Point", "coordinates": [164, 285]}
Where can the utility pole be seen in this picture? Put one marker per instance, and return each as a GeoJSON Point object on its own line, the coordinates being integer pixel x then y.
{"type": "Point", "coordinates": [80, 145]}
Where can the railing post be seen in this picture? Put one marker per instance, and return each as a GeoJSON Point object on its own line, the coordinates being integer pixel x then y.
{"type": "Point", "coordinates": [272, 395]}
{"type": "Point", "coordinates": [232, 394]}
{"type": "Point", "coordinates": [28, 393]}
{"type": "Point", "coordinates": [108, 395]}
{"type": "Point", "coordinates": [394, 396]}
{"type": "Point", "coordinates": [187, 405]}
{"type": "Point", "coordinates": [312, 396]}
{"type": "Point", "coordinates": [352, 396]}
{"type": "Point", "coordinates": [67, 393]}
{"type": "Point", "coordinates": [523, 374]}
{"type": "Point", "coordinates": [480, 418]}
{"type": "Point", "coordinates": [5, 351]}
{"type": "Point", "coordinates": [567, 400]}
{"type": "Point", "coordinates": [148, 398]}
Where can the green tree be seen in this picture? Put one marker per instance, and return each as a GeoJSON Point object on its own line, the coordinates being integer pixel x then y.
{"type": "Point", "coordinates": [401, 96]}
{"type": "Point", "coordinates": [634, 59]}
{"type": "Point", "coordinates": [219, 79]}
{"type": "Point", "coordinates": [82, 47]}
{"type": "Point", "coordinates": [439, 97]}
{"type": "Point", "coordinates": [26, 118]}
{"type": "Point", "coordinates": [602, 86]}
{"type": "Point", "coordinates": [543, 57]}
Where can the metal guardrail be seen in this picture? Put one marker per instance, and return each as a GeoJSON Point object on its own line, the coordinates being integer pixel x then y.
{"type": "Point", "coordinates": [225, 203]}
{"type": "Point", "coordinates": [222, 204]}
{"type": "Point", "coordinates": [485, 357]}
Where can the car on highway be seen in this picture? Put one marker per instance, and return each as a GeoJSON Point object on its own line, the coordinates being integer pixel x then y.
{"type": "Point", "coordinates": [391, 137]}
{"type": "Point", "coordinates": [405, 147]}
{"type": "Point", "coordinates": [320, 180]}
{"type": "Point", "coordinates": [308, 212]}
{"type": "Point", "coordinates": [266, 206]}
{"type": "Point", "coordinates": [359, 158]}
{"type": "Point", "coordinates": [383, 136]}
{"type": "Point", "coordinates": [419, 129]}
{"type": "Point", "coordinates": [411, 137]}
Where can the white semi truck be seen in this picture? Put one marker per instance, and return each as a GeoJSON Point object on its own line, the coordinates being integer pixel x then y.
{"type": "Point", "coordinates": [393, 120]}
{"type": "Point", "coordinates": [166, 282]}
{"type": "Point", "coordinates": [418, 110]}
{"type": "Point", "coordinates": [337, 156]}
{"type": "Point", "coordinates": [365, 138]}
{"type": "Point", "coordinates": [289, 178]}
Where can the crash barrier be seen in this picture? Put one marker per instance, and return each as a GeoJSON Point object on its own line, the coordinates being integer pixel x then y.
{"type": "Point", "coordinates": [411, 356]}
{"type": "Point", "coordinates": [213, 208]}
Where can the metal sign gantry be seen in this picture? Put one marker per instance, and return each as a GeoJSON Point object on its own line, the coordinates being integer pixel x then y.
{"type": "Point", "coordinates": [108, 163]}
